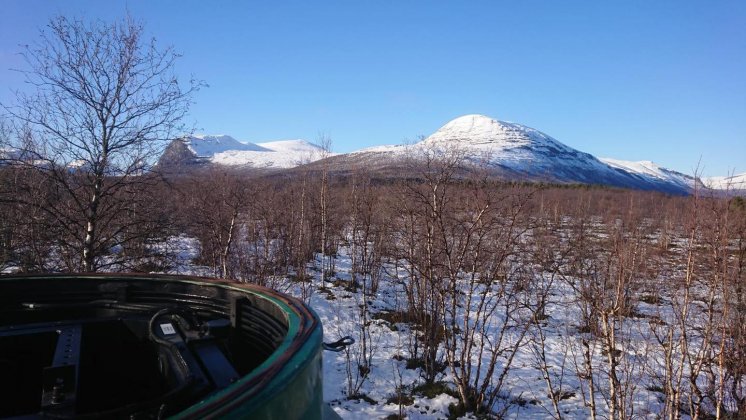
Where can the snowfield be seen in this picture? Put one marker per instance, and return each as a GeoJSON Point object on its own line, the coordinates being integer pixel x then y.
{"type": "Point", "coordinates": [536, 341]}
{"type": "Point", "coordinates": [524, 394]}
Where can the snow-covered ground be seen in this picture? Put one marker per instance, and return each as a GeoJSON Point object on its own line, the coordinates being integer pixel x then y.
{"type": "Point", "coordinates": [391, 388]}
{"type": "Point", "coordinates": [525, 392]}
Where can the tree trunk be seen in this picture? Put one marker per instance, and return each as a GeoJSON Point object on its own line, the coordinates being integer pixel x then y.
{"type": "Point", "coordinates": [89, 255]}
{"type": "Point", "coordinates": [228, 243]}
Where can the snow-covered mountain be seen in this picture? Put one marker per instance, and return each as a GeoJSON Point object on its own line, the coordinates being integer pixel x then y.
{"type": "Point", "coordinates": [537, 156]}
{"type": "Point", "coordinates": [517, 152]}
{"type": "Point", "coordinates": [652, 171]}
{"type": "Point", "coordinates": [208, 146]}
{"type": "Point", "coordinates": [225, 150]}
{"type": "Point", "coordinates": [522, 149]}
{"type": "Point", "coordinates": [728, 183]}
{"type": "Point", "coordinates": [8, 155]}
{"type": "Point", "coordinates": [512, 152]}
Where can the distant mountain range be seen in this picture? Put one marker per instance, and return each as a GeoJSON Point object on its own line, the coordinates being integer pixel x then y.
{"type": "Point", "coordinates": [510, 151]}
{"type": "Point", "coordinates": [225, 150]}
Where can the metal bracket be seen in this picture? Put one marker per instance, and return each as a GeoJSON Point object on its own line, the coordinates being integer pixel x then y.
{"type": "Point", "coordinates": [60, 381]}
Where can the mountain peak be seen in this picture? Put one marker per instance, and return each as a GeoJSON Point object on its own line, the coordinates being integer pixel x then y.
{"type": "Point", "coordinates": [485, 132]}
{"type": "Point", "coordinates": [472, 120]}
{"type": "Point", "coordinates": [469, 128]}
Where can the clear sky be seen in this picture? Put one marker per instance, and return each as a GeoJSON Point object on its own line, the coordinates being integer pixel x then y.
{"type": "Point", "coordinates": [634, 80]}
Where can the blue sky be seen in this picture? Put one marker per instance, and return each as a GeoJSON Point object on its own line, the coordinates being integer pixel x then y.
{"type": "Point", "coordinates": [634, 80]}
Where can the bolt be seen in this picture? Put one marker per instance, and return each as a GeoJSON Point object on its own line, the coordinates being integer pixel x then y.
{"type": "Point", "coordinates": [58, 394]}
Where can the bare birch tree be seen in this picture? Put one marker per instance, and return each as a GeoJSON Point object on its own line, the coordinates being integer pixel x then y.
{"type": "Point", "coordinates": [105, 101]}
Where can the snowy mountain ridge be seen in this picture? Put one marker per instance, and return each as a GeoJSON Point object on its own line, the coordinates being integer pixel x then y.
{"type": "Point", "coordinates": [731, 183]}
{"type": "Point", "coordinates": [536, 155]}
{"type": "Point", "coordinates": [512, 151]}
{"type": "Point", "coordinates": [651, 169]}
{"type": "Point", "coordinates": [209, 145]}
{"type": "Point", "coordinates": [513, 145]}
{"type": "Point", "coordinates": [475, 129]}
{"type": "Point", "coordinates": [226, 150]}
{"type": "Point", "coordinates": [518, 152]}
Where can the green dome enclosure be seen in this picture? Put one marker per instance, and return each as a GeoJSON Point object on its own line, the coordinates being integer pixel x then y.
{"type": "Point", "coordinates": [140, 347]}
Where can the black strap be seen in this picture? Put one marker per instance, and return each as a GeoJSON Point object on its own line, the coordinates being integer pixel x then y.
{"type": "Point", "coordinates": [340, 344]}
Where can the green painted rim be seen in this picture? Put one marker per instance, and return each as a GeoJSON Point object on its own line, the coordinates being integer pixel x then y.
{"type": "Point", "coordinates": [262, 391]}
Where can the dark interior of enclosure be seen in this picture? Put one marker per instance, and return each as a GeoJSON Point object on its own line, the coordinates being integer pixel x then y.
{"type": "Point", "coordinates": [126, 348]}
{"type": "Point", "coordinates": [22, 359]}
{"type": "Point", "coordinates": [117, 367]}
